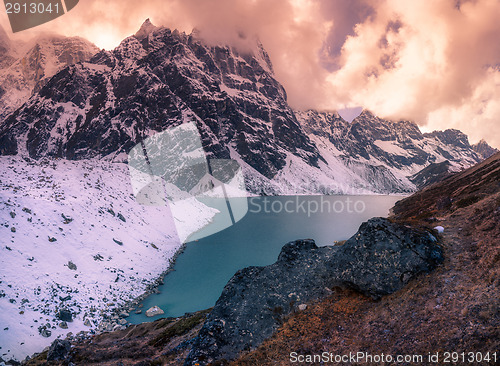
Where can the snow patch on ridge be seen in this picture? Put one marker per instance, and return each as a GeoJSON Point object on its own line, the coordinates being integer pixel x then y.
{"type": "Point", "coordinates": [391, 148]}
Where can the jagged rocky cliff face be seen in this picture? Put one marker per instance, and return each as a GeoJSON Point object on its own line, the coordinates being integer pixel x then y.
{"type": "Point", "coordinates": [160, 78]}
{"type": "Point", "coordinates": [5, 49]}
{"type": "Point", "coordinates": [154, 80]}
{"type": "Point", "coordinates": [26, 67]}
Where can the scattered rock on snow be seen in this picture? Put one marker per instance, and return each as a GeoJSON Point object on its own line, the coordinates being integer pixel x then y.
{"type": "Point", "coordinates": [65, 315]}
{"type": "Point", "coordinates": [44, 332]}
{"type": "Point", "coordinates": [66, 219]}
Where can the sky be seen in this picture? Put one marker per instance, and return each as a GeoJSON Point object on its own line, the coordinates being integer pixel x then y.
{"type": "Point", "coordinates": [436, 62]}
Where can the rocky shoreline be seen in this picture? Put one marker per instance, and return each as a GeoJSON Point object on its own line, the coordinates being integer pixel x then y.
{"type": "Point", "coordinates": [380, 259]}
{"type": "Point", "coordinates": [117, 320]}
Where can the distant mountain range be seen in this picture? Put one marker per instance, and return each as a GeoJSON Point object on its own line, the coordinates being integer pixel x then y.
{"type": "Point", "coordinates": [104, 105]}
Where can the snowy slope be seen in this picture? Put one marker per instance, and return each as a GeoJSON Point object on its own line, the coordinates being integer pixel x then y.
{"type": "Point", "coordinates": [74, 229]}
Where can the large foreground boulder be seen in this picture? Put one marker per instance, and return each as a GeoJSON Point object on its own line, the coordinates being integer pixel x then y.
{"type": "Point", "coordinates": [378, 260]}
{"type": "Point", "coordinates": [382, 257]}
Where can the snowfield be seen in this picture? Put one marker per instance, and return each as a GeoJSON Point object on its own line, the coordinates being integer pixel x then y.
{"type": "Point", "coordinates": [72, 236]}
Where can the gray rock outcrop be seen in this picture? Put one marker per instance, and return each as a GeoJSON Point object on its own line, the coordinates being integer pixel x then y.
{"type": "Point", "coordinates": [59, 350]}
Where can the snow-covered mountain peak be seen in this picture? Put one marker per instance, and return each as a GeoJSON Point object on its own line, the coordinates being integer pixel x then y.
{"type": "Point", "coordinates": [52, 52]}
{"type": "Point", "coordinates": [263, 57]}
{"type": "Point", "coordinates": [149, 39]}
{"type": "Point", "coordinates": [483, 149]}
{"type": "Point", "coordinates": [146, 29]}
{"type": "Point", "coordinates": [27, 67]}
{"type": "Point", "coordinates": [129, 49]}
{"type": "Point", "coordinates": [451, 136]}
{"type": "Point", "coordinates": [173, 77]}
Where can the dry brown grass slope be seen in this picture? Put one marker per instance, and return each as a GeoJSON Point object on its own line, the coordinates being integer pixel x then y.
{"type": "Point", "coordinates": [456, 308]}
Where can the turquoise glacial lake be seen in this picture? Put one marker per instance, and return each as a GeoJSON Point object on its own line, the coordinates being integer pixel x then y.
{"type": "Point", "coordinates": [208, 262]}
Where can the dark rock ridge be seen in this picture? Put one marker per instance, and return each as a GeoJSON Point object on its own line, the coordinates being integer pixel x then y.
{"type": "Point", "coordinates": [378, 260]}
{"type": "Point", "coordinates": [457, 191]}
{"type": "Point", "coordinates": [484, 150]}
{"type": "Point", "coordinates": [59, 350]}
{"type": "Point", "coordinates": [433, 173]}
